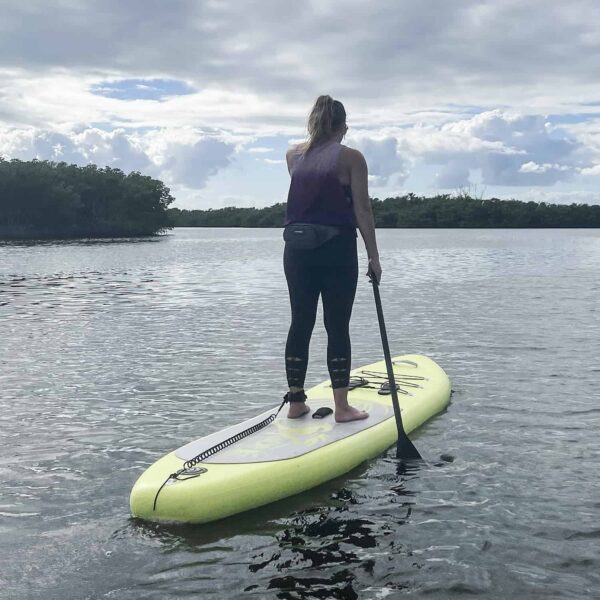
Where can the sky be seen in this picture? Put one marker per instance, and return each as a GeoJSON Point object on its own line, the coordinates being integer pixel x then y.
{"type": "Point", "coordinates": [497, 98]}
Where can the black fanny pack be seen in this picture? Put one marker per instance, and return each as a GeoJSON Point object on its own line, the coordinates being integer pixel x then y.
{"type": "Point", "coordinates": [306, 236]}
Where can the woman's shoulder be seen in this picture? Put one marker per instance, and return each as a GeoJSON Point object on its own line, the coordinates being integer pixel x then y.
{"type": "Point", "coordinates": [351, 156]}
{"type": "Point", "coordinates": [295, 149]}
{"type": "Point", "coordinates": [293, 152]}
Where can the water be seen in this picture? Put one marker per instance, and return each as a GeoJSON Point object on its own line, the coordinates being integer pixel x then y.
{"type": "Point", "coordinates": [114, 353]}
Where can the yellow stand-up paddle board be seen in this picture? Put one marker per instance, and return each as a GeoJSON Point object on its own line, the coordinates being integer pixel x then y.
{"type": "Point", "coordinates": [239, 471]}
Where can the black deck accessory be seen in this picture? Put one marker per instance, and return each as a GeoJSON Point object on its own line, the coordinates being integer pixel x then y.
{"type": "Point", "coordinates": [385, 389]}
{"type": "Point", "coordinates": [322, 412]}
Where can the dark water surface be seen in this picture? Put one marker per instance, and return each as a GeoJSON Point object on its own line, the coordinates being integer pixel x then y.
{"type": "Point", "coordinates": [114, 353]}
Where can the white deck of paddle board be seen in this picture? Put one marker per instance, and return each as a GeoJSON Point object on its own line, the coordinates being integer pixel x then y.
{"type": "Point", "coordinates": [284, 438]}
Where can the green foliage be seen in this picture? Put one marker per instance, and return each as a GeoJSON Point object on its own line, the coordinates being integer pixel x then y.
{"type": "Point", "coordinates": [230, 216]}
{"type": "Point", "coordinates": [41, 199]}
{"type": "Point", "coordinates": [47, 199]}
{"type": "Point", "coordinates": [460, 211]}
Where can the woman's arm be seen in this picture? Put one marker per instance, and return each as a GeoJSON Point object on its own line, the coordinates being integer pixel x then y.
{"type": "Point", "coordinates": [362, 208]}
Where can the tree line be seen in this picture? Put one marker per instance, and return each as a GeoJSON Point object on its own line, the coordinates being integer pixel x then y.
{"type": "Point", "coordinates": [42, 199]}
{"type": "Point", "coordinates": [445, 210]}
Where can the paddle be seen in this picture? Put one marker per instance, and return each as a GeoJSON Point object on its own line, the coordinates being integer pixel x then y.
{"type": "Point", "coordinates": [405, 449]}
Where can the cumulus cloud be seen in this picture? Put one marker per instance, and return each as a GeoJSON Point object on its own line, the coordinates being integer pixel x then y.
{"type": "Point", "coordinates": [182, 162]}
{"type": "Point", "coordinates": [591, 171]}
{"type": "Point", "coordinates": [192, 165]}
{"type": "Point", "coordinates": [114, 148]}
{"type": "Point", "coordinates": [259, 150]}
{"type": "Point", "coordinates": [453, 175]}
{"type": "Point", "coordinates": [105, 148]}
{"type": "Point", "coordinates": [508, 148]}
{"type": "Point", "coordinates": [383, 159]}
{"type": "Point", "coordinates": [505, 147]}
{"type": "Point", "coordinates": [532, 167]}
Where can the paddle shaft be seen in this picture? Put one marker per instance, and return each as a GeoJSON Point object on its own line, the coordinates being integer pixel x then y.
{"type": "Point", "coordinates": [405, 447]}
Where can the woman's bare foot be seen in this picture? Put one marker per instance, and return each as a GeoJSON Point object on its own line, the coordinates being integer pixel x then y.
{"type": "Point", "coordinates": [349, 413]}
{"type": "Point", "coordinates": [297, 409]}
{"type": "Point", "coordinates": [343, 411]}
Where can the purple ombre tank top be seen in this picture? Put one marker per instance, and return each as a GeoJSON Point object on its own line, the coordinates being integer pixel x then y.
{"type": "Point", "coordinates": [316, 194]}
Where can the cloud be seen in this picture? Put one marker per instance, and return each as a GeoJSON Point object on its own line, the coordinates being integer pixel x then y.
{"type": "Point", "coordinates": [259, 150]}
{"type": "Point", "coordinates": [186, 162]}
{"type": "Point", "coordinates": [383, 159]}
{"type": "Point", "coordinates": [417, 56]}
{"type": "Point", "coordinates": [105, 148]}
{"type": "Point", "coordinates": [114, 148]}
{"type": "Point", "coordinates": [453, 175]}
{"type": "Point", "coordinates": [192, 165]}
{"type": "Point", "coordinates": [532, 167]}
{"type": "Point", "coordinates": [509, 149]}
{"type": "Point", "coordinates": [506, 148]}
{"type": "Point", "coordinates": [593, 171]}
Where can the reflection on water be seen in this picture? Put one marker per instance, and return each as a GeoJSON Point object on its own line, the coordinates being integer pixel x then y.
{"type": "Point", "coordinates": [324, 551]}
{"type": "Point", "coordinates": [37, 244]}
{"type": "Point", "coordinates": [114, 352]}
{"type": "Point", "coordinates": [336, 544]}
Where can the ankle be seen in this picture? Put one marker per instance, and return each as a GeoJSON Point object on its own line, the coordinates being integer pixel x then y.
{"type": "Point", "coordinates": [297, 396]}
{"type": "Point", "coordinates": [341, 404]}
{"type": "Point", "coordinates": [340, 396]}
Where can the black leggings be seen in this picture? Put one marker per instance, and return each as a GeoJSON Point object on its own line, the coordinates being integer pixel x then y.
{"type": "Point", "coordinates": [332, 271]}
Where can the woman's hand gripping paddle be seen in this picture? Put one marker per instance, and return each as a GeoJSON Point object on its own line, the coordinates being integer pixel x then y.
{"type": "Point", "coordinates": [405, 449]}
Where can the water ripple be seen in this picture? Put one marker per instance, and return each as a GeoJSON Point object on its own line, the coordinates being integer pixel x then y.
{"type": "Point", "coordinates": [115, 352]}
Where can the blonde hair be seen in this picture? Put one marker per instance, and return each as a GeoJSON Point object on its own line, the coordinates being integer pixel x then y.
{"type": "Point", "coordinates": [326, 117]}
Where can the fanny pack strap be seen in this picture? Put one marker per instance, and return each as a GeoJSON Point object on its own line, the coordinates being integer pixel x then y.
{"type": "Point", "coordinates": [307, 236]}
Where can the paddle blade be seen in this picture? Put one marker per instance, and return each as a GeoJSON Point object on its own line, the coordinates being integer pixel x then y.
{"type": "Point", "coordinates": [406, 450]}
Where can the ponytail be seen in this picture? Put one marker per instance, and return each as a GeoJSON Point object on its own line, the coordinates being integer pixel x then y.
{"type": "Point", "coordinates": [326, 117]}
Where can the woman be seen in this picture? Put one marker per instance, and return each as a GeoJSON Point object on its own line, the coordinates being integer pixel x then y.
{"type": "Point", "coordinates": [328, 188]}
